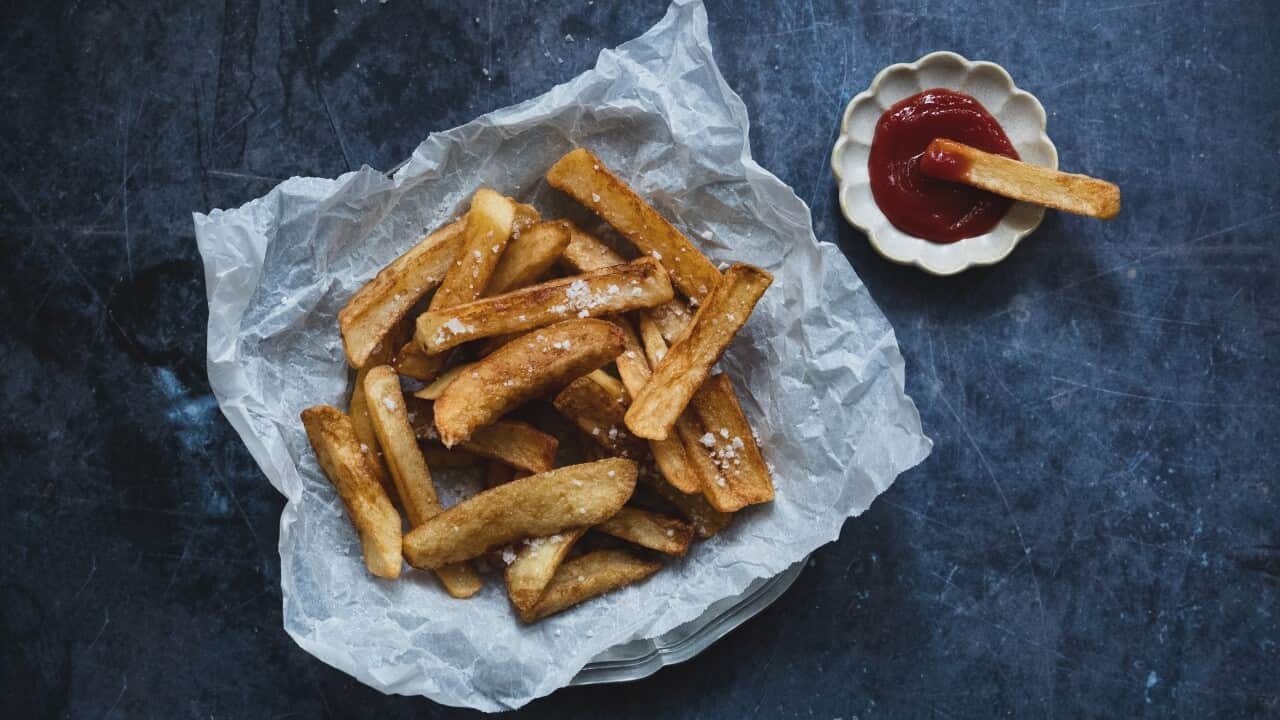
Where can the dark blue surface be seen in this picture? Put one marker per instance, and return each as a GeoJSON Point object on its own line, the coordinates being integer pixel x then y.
{"type": "Point", "coordinates": [1096, 533]}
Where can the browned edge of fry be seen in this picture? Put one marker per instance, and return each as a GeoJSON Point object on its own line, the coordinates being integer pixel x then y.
{"type": "Point", "coordinates": [740, 476]}
{"type": "Point", "coordinates": [529, 256]}
{"type": "Point", "coordinates": [359, 412]}
{"type": "Point", "coordinates": [533, 563]}
{"type": "Point", "coordinates": [515, 443]}
{"type": "Point", "coordinates": [588, 405]}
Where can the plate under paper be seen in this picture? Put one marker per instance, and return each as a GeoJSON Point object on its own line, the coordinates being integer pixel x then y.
{"type": "Point", "coordinates": [817, 367]}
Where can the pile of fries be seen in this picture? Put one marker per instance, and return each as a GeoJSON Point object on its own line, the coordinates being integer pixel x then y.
{"type": "Point", "coordinates": [525, 311]}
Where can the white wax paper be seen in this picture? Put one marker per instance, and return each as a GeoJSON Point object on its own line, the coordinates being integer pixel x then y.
{"type": "Point", "coordinates": [817, 367]}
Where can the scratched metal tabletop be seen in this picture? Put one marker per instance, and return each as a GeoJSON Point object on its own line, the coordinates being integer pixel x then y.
{"type": "Point", "coordinates": [1097, 531]}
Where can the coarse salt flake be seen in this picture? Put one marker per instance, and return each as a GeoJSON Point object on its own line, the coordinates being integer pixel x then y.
{"type": "Point", "coordinates": [709, 440]}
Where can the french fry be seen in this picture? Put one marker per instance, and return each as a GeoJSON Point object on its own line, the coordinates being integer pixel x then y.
{"type": "Point", "coordinates": [533, 564]}
{"type": "Point", "coordinates": [435, 388]}
{"type": "Point", "coordinates": [588, 576]}
{"type": "Point", "coordinates": [1080, 194]}
{"type": "Point", "coordinates": [650, 530]}
{"type": "Point", "coordinates": [670, 454]}
{"type": "Point", "coordinates": [371, 315]}
{"type": "Point", "coordinates": [529, 256]}
{"type": "Point", "coordinates": [522, 370]}
{"type": "Point", "coordinates": [411, 361]}
{"type": "Point", "coordinates": [408, 468]}
{"type": "Point", "coordinates": [741, 475]}
{"type": "Point", "coordinates": [359, 412]}
{"type": "Point", "coordinates": [526, 216]}
{"type": "Point", "coordinates": [686, 365]}
{"type": "Point", "coordinates": [496, 473]}
{"type": "Point", "coordinates": [586, 253]}
{"type": "Point", "coordinates": [537, 506]}
{"type": "Point", "coordinates": [517, 444]}
{"type": "Point", "coordinates": [582, 176]}
{"type": "Point", "coordinates": [513, 443]}
{"type": "Point", "coordinates": [638, 284]}
{"type": "Point", "coordinates": [376, 521]}
{"type": "Point", "coordinates": [589, 406]}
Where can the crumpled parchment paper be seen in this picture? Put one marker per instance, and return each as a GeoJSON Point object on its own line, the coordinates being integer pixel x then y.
{"type": "Point", "coordinates": [817, 367]}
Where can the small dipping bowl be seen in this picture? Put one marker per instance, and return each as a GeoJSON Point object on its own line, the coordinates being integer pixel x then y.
{"type": "Point", "coordinates": [1019, 113]}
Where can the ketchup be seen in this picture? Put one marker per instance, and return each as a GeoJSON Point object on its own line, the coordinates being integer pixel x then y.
{"type": "Point", "coordinates": [919, 205]}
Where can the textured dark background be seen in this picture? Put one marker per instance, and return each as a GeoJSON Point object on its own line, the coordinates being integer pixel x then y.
{"type": "Point", "coordinates": [1096, 533]}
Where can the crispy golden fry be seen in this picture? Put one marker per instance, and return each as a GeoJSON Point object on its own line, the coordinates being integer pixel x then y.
{"type": "Point", "coordinates": [436, 387]}
{"type": "Point", "coordinates": [584, 177]}
{"type": "Point", "coordinates": [589, 406]}
{"type": "Point", "coordinates": [586, 253]}
{"type": "Point", "coordinates": [439, 456]}
{"type": "Point", "coordinates": [611, 385]}
{"type": "Point", "coordinates": [373, 312]}
{"type": "Point", "coordinates": [526, 217]}
{"type": "Point", "coordinates": [707, 521]}
{"type": "Point", "coordinates": [638, 284]}
{"type": "Point", "coordinates": [529, 256]}
{"type": "Point", "coordinates": [588, 576]}
{"type": "Point", "coordinates": [408, 468]}
{"type": "Point", "coordinates": [532, 565]}
{"type": "Point", "coordinates": [649, 529]}
{"type": "Point", "coordinates": [514, 443]}
{"type": "Point", "coordinates": [686, 365]}
{"type": "Point", "coordinates": [669, 455]}
{"type": "Point", "coordinates": [742, 476]}
{"type": "Point", "coordinates": [1080, 194]}
{"type": "Point", "coordinates": [375, 518]}
{"type": "Point", "coordinates": [411, 361]}
{"type": "Point", "coordinates": [366, 434]}
{"type": "Point", "coordinates": [522, 370]}
{"type": "Point", "coordinates": [536, 506]}
{"type": "Point", "coordinates": [489, 226]}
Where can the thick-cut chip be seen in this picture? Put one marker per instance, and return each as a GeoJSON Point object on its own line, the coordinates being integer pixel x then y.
{"type": "Point", "coordinates": [529, 256]}
{"type": "Point", "coordinates": [536, 506]}
{"type": "Point", "coordinates": [367, 435]}
{"type": "Point", "coordinates": [436, 387]}
{"type": "Point", "coordinates": [411, 361]}
{"type": "Point", "coordinates": [669, 455]}
{"type": "Point", "coordinates": [588, 576]}
{"type": "Point", "coordinates": [741, 474]}
{"type": "Point", "coordinates": [686, 365]}
{"type": "Point", "coordinates": [532, 564]}
{"type": "Point", "coordinates": [649, 529]}
{"type": "Point", "coordinates": [489, 226]}
{"type": "Point", "coordinates": [584, 177]}
{"type": "Point", "coordinates": [408, 468]}
{"type": "Point", "coordinates": [371, 315]}
{"type": "Point", "coordinates": [956, 162]}
{"type": "Point", "coordinates": [522, 370]}
{"type": "Point", "coordinates": [347, 467]}
{"type": "Point", "coordinates": [513, 443]}
{"type": "Point", "coordinates": [589, 406]}
{"type": "Point", "coordinates": [518, 444]}
{"type": "Point", "coordinates": [526, 217]}
{"type": "Point", "coordinates": [586, 253]}
{"type": "Point", "coordinates": [496, 473]}
{"type": "Point", "coordinates": [634, 285]}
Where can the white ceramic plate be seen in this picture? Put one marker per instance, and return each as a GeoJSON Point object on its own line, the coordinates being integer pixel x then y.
{"type": "Point", "coordinates": [1018, 112]}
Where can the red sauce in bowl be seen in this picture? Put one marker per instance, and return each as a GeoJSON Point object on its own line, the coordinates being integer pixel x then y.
{"type": "Point", "coordinates": [915, 203]}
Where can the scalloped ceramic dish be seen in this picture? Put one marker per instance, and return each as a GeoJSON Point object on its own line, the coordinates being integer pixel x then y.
{"type": "Point", "coordinates": [1018, 112]}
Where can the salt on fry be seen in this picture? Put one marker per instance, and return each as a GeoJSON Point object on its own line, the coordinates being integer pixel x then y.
{"type": "Point", "coordinates": [649, 530]}
{"type": "Point", "coordinates": [588, 576]}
